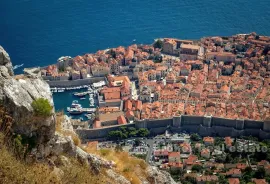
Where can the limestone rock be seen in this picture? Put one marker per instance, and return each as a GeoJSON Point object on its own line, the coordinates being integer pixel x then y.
{"type": "Point", "coordinates": [5, 61]}
{"type": "Point", "coordinates": [62, 144]}
{"type": "Point", "coordinates": [17, 95]}
{"type": "Point", "coordinates": [67, 125]}
{"type": "Point", "coordinates": [116, 177]}
{"type": "Point", "coordinates": [157, 176]}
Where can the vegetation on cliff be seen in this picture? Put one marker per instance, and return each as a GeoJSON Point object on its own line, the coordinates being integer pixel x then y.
{"type": "Point", "coordinates": [132, 168]}
{"type": "Point", "coordinates": [42, 107]}
{"type": "Point", "coordinates": [17, 165]}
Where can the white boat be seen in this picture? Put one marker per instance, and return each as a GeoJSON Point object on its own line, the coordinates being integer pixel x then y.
{"type": "Point", "coordinates": [17, 66]}
{"type": "Point", "coordinates": [75, 104]}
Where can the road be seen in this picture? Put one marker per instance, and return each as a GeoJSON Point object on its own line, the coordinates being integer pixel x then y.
{"type": "Point", "coordinates": [134, 91]}
{"type": "Point", "coordinates": [150, 142]}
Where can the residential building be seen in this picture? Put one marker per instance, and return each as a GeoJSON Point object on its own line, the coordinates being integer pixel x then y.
{"type": "Point", "coordinates": [174, 157]}
{"type": "Point", "coordinates": [221, 56]}
{"type": "Point", "coordinates": [191, 52]}
{"type": "Point", "coordinates": [205, 153]}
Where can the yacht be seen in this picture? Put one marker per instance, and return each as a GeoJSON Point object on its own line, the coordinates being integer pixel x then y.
{"type": "Point", "coordinates": [75, 111]}
{"type": "Point", "coordinates": [75, 104]}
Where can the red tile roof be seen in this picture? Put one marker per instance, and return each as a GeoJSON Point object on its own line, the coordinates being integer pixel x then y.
{"type": "Point", "coordinates": [234, 181]}
{"type": "Point", "coordinates": [121, 120]}
{"type": "Point", "coordinates": [174, 154]}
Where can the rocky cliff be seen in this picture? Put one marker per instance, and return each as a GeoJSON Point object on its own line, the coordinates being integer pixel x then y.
{"type": "Point", "coordinates": [16, 96]}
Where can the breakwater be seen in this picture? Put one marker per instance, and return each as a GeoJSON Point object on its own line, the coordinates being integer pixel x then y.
{"type": "Point", "coordinates": [73, 83]}
{"type": "Point", "coordinates": [203, 125]}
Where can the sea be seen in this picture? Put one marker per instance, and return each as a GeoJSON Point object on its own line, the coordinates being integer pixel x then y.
{"type": "Point", "coordinates": [37, 33]}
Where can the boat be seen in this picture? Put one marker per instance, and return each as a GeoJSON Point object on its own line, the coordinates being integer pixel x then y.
{"type": "Point", "coordinates": [75, 111]}
{"type": "Point", "coordinates": [17, 66]}
{"type": "Point", "coordinates": [134, 40]}
{"type": "Point", "coordinates": [82, 98]}
{"type": "Point", "coordinates": [91, 100]}
{"type": "Point", "coordinates": [75, 104]}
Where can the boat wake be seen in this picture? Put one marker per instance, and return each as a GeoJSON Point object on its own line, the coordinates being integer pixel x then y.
{"type": "Point", "coordinates": [17, 66]}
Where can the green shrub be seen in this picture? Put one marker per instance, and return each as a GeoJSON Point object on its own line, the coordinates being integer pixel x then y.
{"type": "Point", "coordinates": [42, 107]}
{"type": "Point", "coordinates": [158, 44]}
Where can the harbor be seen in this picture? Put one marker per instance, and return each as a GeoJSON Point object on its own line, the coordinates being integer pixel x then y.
{"type": "Point", "coordinates": [77, 102]}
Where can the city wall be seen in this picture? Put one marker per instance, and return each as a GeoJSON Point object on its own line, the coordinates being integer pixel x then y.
{"type": "Point", "coordinates": [100, 133]}
{"type": "Point", "coordinates": [74, 83]}
{"type": "Point", "coordinates": [203, 125]}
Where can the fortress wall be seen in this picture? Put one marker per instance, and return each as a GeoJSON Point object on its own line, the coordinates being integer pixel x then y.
{"type": "Point", "coordinates": [250, 124]}
{"type": "Point", "coordinates": [191, 128]}
{"type": "Point", "coordinates": [252, 132]}
{"type": "Point", "coordinates": [99, 133]}
{"type": "Point", "coordinates": [206, 131]}
{"type": "Point", "coordinates": [226, 131]}
{"type": "Point", "coordinates": [191, 124]}
{"type": "Point", "coordinates": [156, 131]}
{"type": "Point", "coordinates": [207, 121]}
{"type": "Point", "coordinates": [177, 121]}
{"type": "Point", "coordinates": [264, 135]}
{"type": "Point", "coordinates": [240, 124]}
{"type": "Point", "coordinates": [223, 122]}
{"type": "Point", "coordinates": [140, 124]}
{"type": "Point", "coordinates": [158, 123]}
{"type": "Point", "coordinates": [191, 120]}
{"type": "Point", "coordinates": [73, 83]}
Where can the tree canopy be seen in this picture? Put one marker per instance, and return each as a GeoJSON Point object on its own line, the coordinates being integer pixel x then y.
{"type": "Point", "coordinates": [158, 44]}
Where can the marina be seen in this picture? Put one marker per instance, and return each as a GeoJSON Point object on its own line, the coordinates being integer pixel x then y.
{"type": "Point", "coordinates": [60, 90]}
{"type": "Point", "coordinates": [77, 102]}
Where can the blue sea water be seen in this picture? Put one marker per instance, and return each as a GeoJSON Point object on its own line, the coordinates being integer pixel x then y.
{"type": "Point", "coordinates": [36, 32]}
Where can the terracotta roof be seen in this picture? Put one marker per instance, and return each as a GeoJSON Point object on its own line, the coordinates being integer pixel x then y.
{"type": "Point", "coordinates": [129, 114]}
{"type": "Point", "coordinates": [208, 139]}
{"type": "Point", "coordinates": [174, 154]}
{"type": "Point", "coordinates": [207, 178]}
{"type": "Point", "coordinates": [97, 124]}
{"type": "Point", "coordinates": [259, 181]}
{"type": "Point", "coordinates": [234, 181]}
{"type": "Point", "coordinates": [228, 141]}
{"type": "Point", "coordinates": [121, 120]}
{"type": "Point", "coordinates": [128, 105]}
{"type": "Point", "coordinates": [189, 46]}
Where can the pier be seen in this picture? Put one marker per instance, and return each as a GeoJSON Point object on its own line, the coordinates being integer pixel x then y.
{"type": "Point", "coordinates": [89, 110]}
{"type": "Point", "coordinates": [84, 110]}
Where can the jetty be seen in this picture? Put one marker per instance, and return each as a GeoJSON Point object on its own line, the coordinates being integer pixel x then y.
{"type": "Point", "coordinates": [89, 110]}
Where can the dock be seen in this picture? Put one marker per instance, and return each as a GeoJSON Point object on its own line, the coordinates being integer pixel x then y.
{"type": "Point", "coordinates": [83, 110]}
{"type": "Point", "coordinates": [88, 110]}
